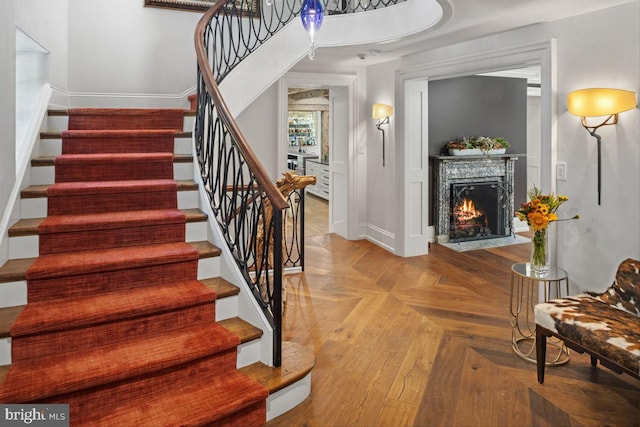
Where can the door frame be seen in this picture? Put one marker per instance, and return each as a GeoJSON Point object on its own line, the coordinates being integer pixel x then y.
{"type": "Point", "coordinates": [297, 79]}
{"type": "Point", "coordinates": [542, 53]}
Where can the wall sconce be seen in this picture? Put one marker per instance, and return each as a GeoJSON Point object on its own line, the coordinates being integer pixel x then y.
{"type": "Point", "coordinates": [381, 113]}
{"type": "Point", "coordinates": [600, 102]}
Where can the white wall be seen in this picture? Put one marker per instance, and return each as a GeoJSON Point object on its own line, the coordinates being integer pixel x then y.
{"type": "Point", "coordinates": [124, 54]}
{"type": "Point", "coordinates": [591, 248]}
{"type": "Point", "coordinates": [259, 124]}
{"type": "Point", "coordinates": [7, 109]}
{"type": "Point", "coordinates": [533, 141]}
{"type": "Point", "coordinates": [595, 49]}
{"type": "Point", "coordinates": [382, 195]}
{"type": "Point", "coordinates": [46, 24]}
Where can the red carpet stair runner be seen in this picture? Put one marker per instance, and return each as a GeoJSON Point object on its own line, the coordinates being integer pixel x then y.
{"type": "Point", "coordinates": [117, 324]}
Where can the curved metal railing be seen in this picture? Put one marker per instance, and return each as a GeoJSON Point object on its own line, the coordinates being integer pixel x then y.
{"type": "Point", "coordinates": [246, 204]}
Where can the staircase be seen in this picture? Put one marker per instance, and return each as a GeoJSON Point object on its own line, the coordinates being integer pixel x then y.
{"type": "Point", "coordinates": [128, 320]}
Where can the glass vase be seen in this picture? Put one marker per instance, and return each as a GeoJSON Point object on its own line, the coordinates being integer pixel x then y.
{"type": "Point", "coordinates": [539, 262]}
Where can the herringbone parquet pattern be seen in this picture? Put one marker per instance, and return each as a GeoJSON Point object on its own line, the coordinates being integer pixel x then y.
{"type": "Point", "coordinates": [425, 341]}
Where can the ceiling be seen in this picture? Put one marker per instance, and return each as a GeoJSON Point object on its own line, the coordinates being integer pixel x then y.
{"type": "Point", "coordinates": [463, 20]}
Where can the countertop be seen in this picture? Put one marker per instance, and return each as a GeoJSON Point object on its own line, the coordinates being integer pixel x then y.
{"type": "Point", "coordinates": [305, 155]}
{"type": "Point", "coordinates": [318, 161]}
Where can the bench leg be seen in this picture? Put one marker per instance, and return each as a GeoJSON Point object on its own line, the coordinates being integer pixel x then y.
{"type": "Point", "coordinates": [541, 353]}
{"type": "Point", "coordinates": [594, 360]}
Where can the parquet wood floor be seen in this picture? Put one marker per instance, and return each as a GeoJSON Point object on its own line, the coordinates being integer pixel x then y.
{"type": "Point", "coordinates": [425, 341]}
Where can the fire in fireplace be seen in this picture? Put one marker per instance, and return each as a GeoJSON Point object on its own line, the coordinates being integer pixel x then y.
{"type": "Point", "coordinates": [477, 211]}
{"type": "Point", "coordinates": [469, 221]}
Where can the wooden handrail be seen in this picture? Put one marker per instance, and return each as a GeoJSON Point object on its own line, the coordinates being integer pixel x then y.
{"type": "Point", "coordinates": [269, 188]}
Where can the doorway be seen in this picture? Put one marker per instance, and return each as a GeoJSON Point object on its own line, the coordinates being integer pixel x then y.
{"type": "Point", "coordinates": [332, 134]}
{"type": "Point", "coordinates": [541, 54]}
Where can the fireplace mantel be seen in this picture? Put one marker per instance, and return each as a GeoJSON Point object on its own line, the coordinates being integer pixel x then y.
{"type": "Point", "coordinates": [449, 170]}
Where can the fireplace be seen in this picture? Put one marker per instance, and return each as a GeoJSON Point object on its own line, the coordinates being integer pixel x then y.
{"type": "Point", "coordinates": [477, 211]}
{"type": "Point", "coordinates": [473, 197]}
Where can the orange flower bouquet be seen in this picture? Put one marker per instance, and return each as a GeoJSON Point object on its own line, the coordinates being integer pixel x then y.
{"type": "Point", "coordinates": [539, 212]}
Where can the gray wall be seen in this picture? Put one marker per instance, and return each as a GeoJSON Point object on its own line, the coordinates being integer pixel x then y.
{"type": "Point", "coordinates": [481, 106]}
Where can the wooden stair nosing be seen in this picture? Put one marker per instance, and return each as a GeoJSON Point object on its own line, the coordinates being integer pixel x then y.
{"type": "Point", "coordinates": [15, 269]}
{"type": "Point", "coordinates": [221, 287]}
{"type": "Point", "coordinates": [297, 362]}
{"type": "Point", "coordinates": [29, 227]}
{"type": "Point", "coordinates": [40, 191]}
{"type": "Point", "coordinates": [243, 329]}
{"type": "Point", "coordinates": [48, 161]}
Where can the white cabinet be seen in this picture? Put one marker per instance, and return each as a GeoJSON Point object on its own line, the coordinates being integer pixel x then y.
{"type": "Point", "coordinates": [321, 171]}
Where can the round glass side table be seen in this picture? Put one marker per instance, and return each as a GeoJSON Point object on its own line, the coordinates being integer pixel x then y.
{"type": "Point", "coordinates": [525, 294]}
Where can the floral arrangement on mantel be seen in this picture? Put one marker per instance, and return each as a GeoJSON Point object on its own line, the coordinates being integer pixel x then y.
{"type": "Point", "coordinates": [539, 211]}
{"type": "Point", "coordinates": [474, 145]}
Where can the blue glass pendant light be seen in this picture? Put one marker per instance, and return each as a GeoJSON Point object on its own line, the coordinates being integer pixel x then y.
{"type": "Point", "coordinates": [312, 15]}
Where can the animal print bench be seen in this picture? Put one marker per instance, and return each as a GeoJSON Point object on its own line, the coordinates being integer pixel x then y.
{"type": "Point", "coordinates": [606, 325]}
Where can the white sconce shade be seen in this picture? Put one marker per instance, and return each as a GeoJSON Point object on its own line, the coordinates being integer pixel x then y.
{"type": "Point", "coordinates": [596, 102]}
{"type": "Point", "coordinates": [382, 111]}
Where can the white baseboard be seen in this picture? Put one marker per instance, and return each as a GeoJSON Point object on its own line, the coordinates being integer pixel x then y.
{"type": "Point", "coordinates": [382, 238]}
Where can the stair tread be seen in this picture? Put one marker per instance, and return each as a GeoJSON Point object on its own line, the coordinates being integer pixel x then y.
{"type": "Point", "coordinates": [29, 227]}
{"type": "Point", "coordinates": [40, 191]}
{"type": "Point", "coordinates": [67, 313]}
{"type": "Point", "coordinates": [206, 249]}
{"type": "Point", "coordinates": [112, 363]}
{"type": "Point", "coordinates": [44, 161]}
{"type": "Point", "coordinates": [242, 329]}
{"type": "Point", "coordinates": [15, 269]}
{"type": "Point", "coordinates": [65, 111]}
{"type": "Point", "coordinates": [110, 220]}
{"type": "Point", "coordinates": [221, 287]}
{"type": "Point", "coordinates": [203, 402]}
{"type": "Point", "coordinates": [58, 135]}
{"type": "Point", "coordinates": [297, 362]}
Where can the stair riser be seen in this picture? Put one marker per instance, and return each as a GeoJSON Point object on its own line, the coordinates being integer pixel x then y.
{"type": "Point", "coordinates": [57, 123]}
{"type": "Point", "coordinates": [99, 282]}
{"type": "Point", "coordinates": [27, 246]}
{"type": "Point", "coordinates": [208, 267]}
{"type": "Point", "coordinates": [13, 294]}
{"type": "Point", "coordinates": [113, 171]}
{"type": "Point", "coordinates": [53, 147]}
{"type": "Point", "coordinates": [126, 121]}
{"type": "Point", "coordinates": [109, 143]}
{"type": "Point", "coordinates": [113, 332]}
{"type": "Point", "coordinates": [46, 175]}
{"type": "Point", "coordinates": [54, 243]}
{"type": "Point", "coordinates": [37, 207]}
{"type": "Point", "coordinates": [249, 352]}
{"type": "Point", "coordinates": [61, 123]}
{"type": "Point", "coordinates": [226, 308]}
{"type": "Point", "coordinates": [111, 202]}
{"type": "Point", "coordinates": [88, 405]}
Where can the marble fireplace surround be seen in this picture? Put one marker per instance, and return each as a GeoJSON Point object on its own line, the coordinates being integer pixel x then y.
{"type": "Point", "coordinates": [450, 170]}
